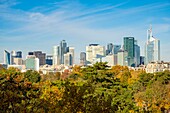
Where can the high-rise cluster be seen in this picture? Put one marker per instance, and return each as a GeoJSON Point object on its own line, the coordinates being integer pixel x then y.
{"type": "Point", "coordinates": [63, 54]}
{"type": "Point", "coordinates": [127, 54]}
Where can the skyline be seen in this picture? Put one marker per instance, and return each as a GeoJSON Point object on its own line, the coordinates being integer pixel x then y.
{"type": "Point", "coordinates": [30, 26]}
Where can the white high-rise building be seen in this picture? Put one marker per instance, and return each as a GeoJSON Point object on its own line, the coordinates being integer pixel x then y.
{"type": "Point", "coordinates": [56, 55]}
{"type": "Point", "coordinates": [32, 63]}
{"type": "Point", "coordinates": [94, 51]}
{"type": "Point", "coordinates": [122, 58]}
{"type": "Point", "coordinates": [68, 59]}
{"type": "Point", "coordinates": [152, 48]}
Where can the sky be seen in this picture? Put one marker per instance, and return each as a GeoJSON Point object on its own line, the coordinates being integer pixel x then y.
{"type": "Point", "coordinates": [31, 25]}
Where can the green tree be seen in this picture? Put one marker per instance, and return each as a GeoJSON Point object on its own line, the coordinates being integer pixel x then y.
{"type": "Point", "coordinates": [32, 76]}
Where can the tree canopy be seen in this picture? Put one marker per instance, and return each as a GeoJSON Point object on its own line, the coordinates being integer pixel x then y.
{"type": "Point", "coordinates": [93, 89]}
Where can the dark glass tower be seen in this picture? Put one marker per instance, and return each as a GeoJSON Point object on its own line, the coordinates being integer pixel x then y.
{"type": "Point", "coordinates": [129, 46]}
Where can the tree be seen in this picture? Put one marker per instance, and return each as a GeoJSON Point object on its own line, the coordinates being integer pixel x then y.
{"type": "Point", "coordinates": [32, 76]}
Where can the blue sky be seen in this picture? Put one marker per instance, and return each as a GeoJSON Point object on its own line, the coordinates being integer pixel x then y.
{"type": "Point", "coordinates": [29, 25]}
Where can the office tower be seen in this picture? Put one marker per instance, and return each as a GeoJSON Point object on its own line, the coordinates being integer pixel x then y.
{"type": "Point", "coordinates": [122, 57]}
{"type": "Point", "coordinates": [41, 56]}
{"type": "Point", "coordinates": [32, 63]}
{"type": "Point", "coordinates": [137, 54]}
{"type": "Point", "coordinates": [82, 58]}
{"type": "Point", "coordinates": [68, 59]}
{"type": "Point", "coordinates": [71, 51]}
{"type": "Point", "coordinates": [49, 60]}
{"type": "Point", "coordinates": [129, 46]}
{"type": "Point", "coordinates": [7, 57]}
{"type": "Point", "coordinates": [142, 60]}
{"type": "Point", "coordinates": [116, 48]}
{"type": "Point", "coordinates": [94, 51]}
{"type": "Point", "coordinates": [63, 50]}
{"type": "Point", "coordinates": [56, 55]}
{"type": "Point", "coordinates": [152, 48]}
{"type": "Point", "coordinates": [109, 49]}
{"type": "Point", "coordinates": [17, 55]}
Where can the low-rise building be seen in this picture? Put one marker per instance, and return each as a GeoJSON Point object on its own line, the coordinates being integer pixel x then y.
{"type": "Point", "coordinates": [154, 67]}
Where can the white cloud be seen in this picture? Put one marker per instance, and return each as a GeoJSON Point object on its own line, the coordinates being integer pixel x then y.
{"type": "Point", "coordinates": [71, 21]}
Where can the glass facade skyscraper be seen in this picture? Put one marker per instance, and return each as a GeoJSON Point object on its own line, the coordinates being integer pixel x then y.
{"type": "Point", "coordinates": [83, 58]}
{"type": "Point", "coordinates": [129, 46]}
{"type": "Point", "coordinates": [109, 49]}
{"type": "Point", "coordinates": [137, 54]}
{"type": "Point", "coordinates": [56, 55]}
{"type": "Point", "coordinates": [63, 50]}
{"type": "Point", "coordinates": [7, 57]}
{"type": "Point", "coordinates": [152, 48]}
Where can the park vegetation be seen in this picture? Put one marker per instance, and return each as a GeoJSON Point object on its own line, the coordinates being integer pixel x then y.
{"type": "Point", "coordinates": [95, 89]}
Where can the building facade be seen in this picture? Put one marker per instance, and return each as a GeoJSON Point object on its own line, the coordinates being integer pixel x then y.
{"type": "Point", "coordinates": [7, 57]}
{"type": "Point", "coordinates": [82, 58]}
{"type": "Point", "coordinates": [32, 63]}
{"type": "Point", "coordinates": [116, 48]}
{"type": "Point", "coordinates": [109, 59]}
{"type": "Point", "coordinates": [94, 51]}
{"type": "Point", "coordinates": [154, 67]}
{"type": "Point", "coordinates": [109, 49]}
{"type": "Point", "coordinates": [71, 51]}
{"type": "Point", "coordinates": [41, 56]}
{"type": "Point", "coordinates": [16, 57]}
{"type": "Point", "coordinates": [49, 60]}
{"type": "Point", "coordinates": [137, 54]}
{"type": "Point", "coordinates": [129, 46]}
{"type": "Point", "coordinates": [122, 58]}
{"type": "Point", "coordinates": [63, 50]}
{"type": "Point", "coordinates": [56, 55]}
{"type": "Point", "coordinates": [152, 48]}
{"type": "Point", "coordinates": [68, 59]}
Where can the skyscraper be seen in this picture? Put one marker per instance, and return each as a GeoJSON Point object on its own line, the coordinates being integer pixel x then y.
{"type": "Point", "coordinates": [68, 59]}
{"type": "Point", "coordinates": [71, 51]}
{"type": "Point", "coordinates": [122, 57]}
{"type": "Point", "coordinates": [129, 46]}
{"type": "Point", "coordinates": [83, 58]}
{"type": "Point", "coordinates": [41, 56]}
{"type": "Point", "coordinates": [63, 50]}
{"type": "Point", "coordinates": [152, 48]}
{"type": "Point", "coordinates": [109, 49]}
{"type": "Point", "coordinates": [94, 51]}
{"type": "Point", "coordinates": [137, 54]}
{"type": "Point", "coordinates": [59, 51]}
{"type": "Point", "coordinates": [7, 57]}
{"type": "Point", "coordinates": [56, 55]}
